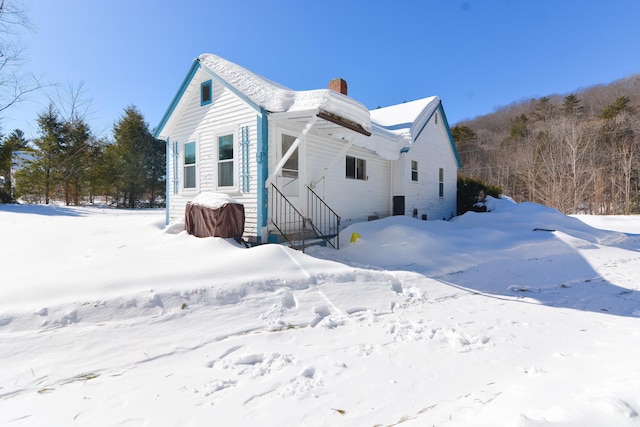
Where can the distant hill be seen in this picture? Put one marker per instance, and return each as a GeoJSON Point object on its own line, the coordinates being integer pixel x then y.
{"type": "Point", "coordinates": [578, 152]}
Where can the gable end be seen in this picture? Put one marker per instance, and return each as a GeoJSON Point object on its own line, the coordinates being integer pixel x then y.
{"type": "Point", "coordinates": [176, 99]}
{"type": "Point", "coordinates": [446, 126]}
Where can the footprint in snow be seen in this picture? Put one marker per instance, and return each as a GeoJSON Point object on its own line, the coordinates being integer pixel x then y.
{"type": "Point", "coordinates": [304, 382]}
{"type": "Point", "coordinates": [320, 313]}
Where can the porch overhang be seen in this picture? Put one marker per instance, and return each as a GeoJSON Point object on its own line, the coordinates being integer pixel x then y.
{"type": "Point", "coordinates": [341, 121]}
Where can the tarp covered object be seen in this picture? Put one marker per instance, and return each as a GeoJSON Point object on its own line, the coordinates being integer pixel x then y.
{"type": "Point", "coordinates": [226, 220]}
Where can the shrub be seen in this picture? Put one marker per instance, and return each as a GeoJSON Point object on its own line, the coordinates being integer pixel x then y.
{"type": "Point", "coordinates": [472, 194]}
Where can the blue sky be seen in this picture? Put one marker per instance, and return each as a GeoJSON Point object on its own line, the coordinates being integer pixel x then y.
{"type": "Point", "coordinates": [476, 55]}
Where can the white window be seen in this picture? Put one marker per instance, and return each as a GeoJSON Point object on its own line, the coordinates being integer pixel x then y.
{"type": "Point", "coordinates": [356, 168]}
{"type": "Point", "coordinates": [190, 165]}
{"type": "Point", "coordinates": [414, 170]}
{"type": "Point", "coordinates": [291, 168]}
{"type": "Point", "coordinates": [441, 182]}
{"type": "Point", "coordinates": [225, 161]}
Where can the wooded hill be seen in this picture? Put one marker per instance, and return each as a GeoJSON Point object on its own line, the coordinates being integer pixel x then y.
{"type": "Point", "coordinates": [578, 152]}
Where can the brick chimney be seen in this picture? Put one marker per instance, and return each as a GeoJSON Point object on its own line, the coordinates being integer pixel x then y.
{"type": "Point", "coordinates": [338, 85]}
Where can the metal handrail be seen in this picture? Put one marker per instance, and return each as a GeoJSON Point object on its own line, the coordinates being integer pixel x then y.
{"type": "Point", "coordinates": [287, 219]}
{"type": "Point", "coordinates": [324, 220]}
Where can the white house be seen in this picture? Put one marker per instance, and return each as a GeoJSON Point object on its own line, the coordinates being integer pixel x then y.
{"type": "Point", "coordinates": [311, 159]}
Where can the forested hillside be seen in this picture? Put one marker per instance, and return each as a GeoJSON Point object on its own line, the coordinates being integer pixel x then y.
{"type": "Point", "coordinates": [578, 152]}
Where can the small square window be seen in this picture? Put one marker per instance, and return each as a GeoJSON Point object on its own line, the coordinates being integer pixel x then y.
{"type": "Point", "coordinates": [414, 170]}
{"type": "Point", "coordinates": [205, 93]}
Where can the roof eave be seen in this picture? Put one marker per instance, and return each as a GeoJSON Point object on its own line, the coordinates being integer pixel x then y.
{"type": "Point", "coordinates": [233, 89]}
{"type": "Point", "coordinates": [176, 99]}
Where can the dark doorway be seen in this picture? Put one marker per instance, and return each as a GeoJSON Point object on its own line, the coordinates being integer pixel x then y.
{"type": "Point", "coordinates": [398, 205]}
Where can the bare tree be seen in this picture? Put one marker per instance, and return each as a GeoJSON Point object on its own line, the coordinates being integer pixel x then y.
{"type": "Point", "coordinates": [73, 102]}
{"type": "Point", "coordinates": [15, 84]}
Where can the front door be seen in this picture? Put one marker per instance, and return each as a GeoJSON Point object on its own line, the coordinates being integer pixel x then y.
{"type": "Point", "coordinates": [289, 181]}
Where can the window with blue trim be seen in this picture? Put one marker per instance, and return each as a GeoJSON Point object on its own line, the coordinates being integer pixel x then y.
{"type": "Point", "coordinates": [225, 161]}
{"type": "Point", "coordinates": [205, 93]}
{"type": "Point", "coordinates": [190, 165]}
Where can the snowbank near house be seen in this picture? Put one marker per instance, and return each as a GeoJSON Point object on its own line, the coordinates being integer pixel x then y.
{"type": "Point", "coordinates": [477, 321]}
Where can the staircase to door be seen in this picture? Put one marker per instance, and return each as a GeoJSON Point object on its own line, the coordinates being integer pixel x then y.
{"type": "Point", "coordinates": [320, 226]}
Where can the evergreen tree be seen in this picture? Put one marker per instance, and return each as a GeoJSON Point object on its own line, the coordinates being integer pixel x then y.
{"type": "Point", "coordinates": [463, 134]}
{"type": "Point", "coordinates": [571, 106]}
{"type": "Point", "coordinates": [14, 143]}
{"type": "Point", "coordinates": [133, 147]}
{"type": "Point", "coordinates": [41, 175]}
{"type": "Point", "coordinates": [75, 158]}
{"type": "Point", "coordinates": [99, 178]}
{"type": "Point", "coordinates": [619, 105]}
{"type": "Point", "coordinates": [544, 110]}
{"type": "Point", "coordinates": [155, 165]}
{"type": "Point", "coordinates": [519, 127]}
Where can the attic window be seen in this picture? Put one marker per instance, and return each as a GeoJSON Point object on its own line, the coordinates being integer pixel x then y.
{"type": "Point", "coordinates": [205, 93]}
{"type": "Point", "coordinates": [436, 115]}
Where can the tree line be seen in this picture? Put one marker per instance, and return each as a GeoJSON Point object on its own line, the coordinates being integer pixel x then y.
{"type": "Point", "coordinates": [579, 153]}
{"type": "Point", "coordinates": [67, 163]}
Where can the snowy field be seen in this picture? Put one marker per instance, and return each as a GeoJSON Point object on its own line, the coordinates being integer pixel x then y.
{"type": "Point", "coordinates": [107, 318]}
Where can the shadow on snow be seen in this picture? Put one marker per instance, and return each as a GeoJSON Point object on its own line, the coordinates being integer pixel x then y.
{"type": "Point", "coordinates": [541, 266]}
{"type": "Point", "coordinates": [561, 277]}
{"type": "Point", "coordinates": [44, 210]}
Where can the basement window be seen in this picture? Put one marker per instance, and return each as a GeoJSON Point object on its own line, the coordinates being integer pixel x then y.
{"type": "Point", "coordinates": [205, 93]}
{"type": "Point", "coordinates": [356, 168]}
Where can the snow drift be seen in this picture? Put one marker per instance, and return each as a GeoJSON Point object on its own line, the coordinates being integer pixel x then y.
{"type": "Point", "coordinates": [520, 317]}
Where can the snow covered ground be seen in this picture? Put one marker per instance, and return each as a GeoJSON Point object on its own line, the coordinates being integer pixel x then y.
{"type": "Point", "coordinates": [109, 318]}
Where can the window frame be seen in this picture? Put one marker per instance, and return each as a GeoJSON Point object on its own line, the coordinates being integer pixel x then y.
{"type": "Point", "coordinates": [193, 166]}
{"type": "Point", "coordinates": [233, 161]}
{"type": "Point", "coordinates": [414, 171]}
{"type": "Point", "coordinates": [359, 168]}
{"type": "Point", "coordinates": [441, 183]}
{"type": "Point", "coordinates": [291, 159]}
{"type": "Point", "coordinates": [206, 86]}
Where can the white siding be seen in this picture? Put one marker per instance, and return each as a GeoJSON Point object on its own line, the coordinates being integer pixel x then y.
{"type": "Point", "coordinates": [354, 200]}
{"type": "Point", "coordinates": [433, 151]}
{"type": "Point", "coordinates": [227, 113]}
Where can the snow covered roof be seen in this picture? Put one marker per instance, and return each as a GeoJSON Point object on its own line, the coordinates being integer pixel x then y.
{"type": "Point", "coordinates": [274, 97]}
{"type": "Point", "coordinates": [392, 128]}
{"type": "Point", "coordinates": [405, 119]}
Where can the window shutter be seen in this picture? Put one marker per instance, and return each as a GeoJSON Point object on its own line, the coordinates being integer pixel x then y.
{"type": "Point", "coordinates": [244, 144]}
{"type": "Point", "coordinates": [174, 154]}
